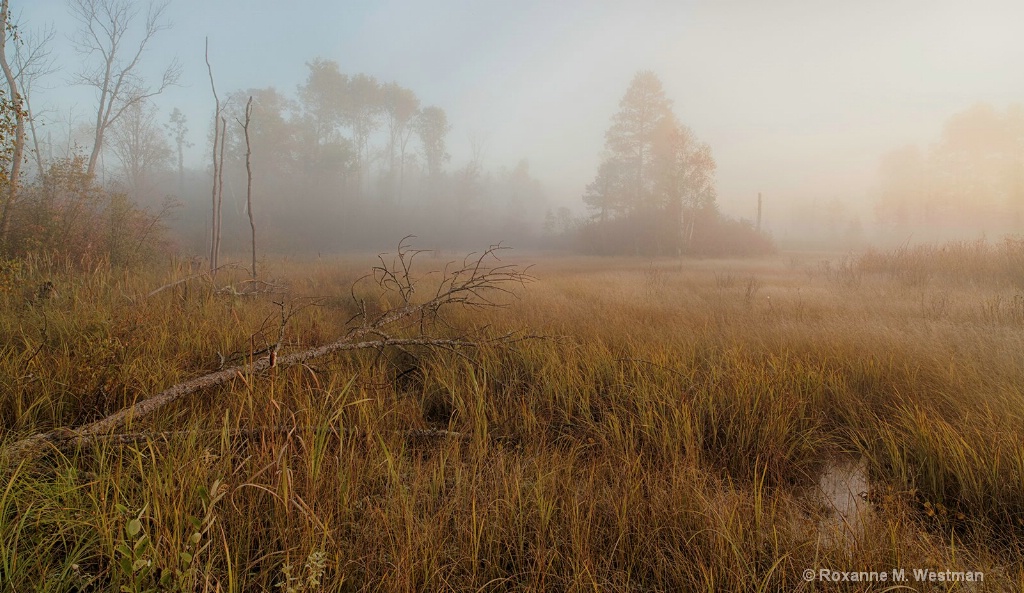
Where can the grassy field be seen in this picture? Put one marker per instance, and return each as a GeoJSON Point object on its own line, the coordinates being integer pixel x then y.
{"type": "Point", "coordinates": [669, 431]}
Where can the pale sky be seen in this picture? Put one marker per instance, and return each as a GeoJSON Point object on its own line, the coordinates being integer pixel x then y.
{"type": "Point", "coordinates": [797, 98]}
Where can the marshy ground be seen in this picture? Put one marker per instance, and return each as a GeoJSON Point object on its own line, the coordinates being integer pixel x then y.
{"type": "Point", "coordinates": [678, 426]}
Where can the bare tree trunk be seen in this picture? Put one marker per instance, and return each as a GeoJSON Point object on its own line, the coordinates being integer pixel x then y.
{"type": "Point", "coordinates": [97, 147]}
{"type": "Point", "coordinates": [215, 215]}
{"type": "Point", "coordinates": [403, 150]}
{"type": "Point", "coordinates": [220, 184]}
{"type": "Point", "coordinates": [36, 148]}
{"type": "Point", "coordinates": [401, 177]}
{"type": "Point", "coordinates": [181, 168]}
{"type": "Point", "coordinates": [19, 133]}
{"type": "Point", "coordinates": [248, 186]}
{"type": "Point", "coordinates": [689, 231]}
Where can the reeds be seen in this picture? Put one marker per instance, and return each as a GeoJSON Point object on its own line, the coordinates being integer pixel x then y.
{"type": "Point", "coordinates": [670, 438]}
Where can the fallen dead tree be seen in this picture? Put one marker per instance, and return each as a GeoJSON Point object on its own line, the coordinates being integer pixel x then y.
{"type": "Point", "coordinates": [477, 282]}
{"type": "Point", "coordinates": [133, 438]}
{"type": "Point", "coordinates": [287, 431]}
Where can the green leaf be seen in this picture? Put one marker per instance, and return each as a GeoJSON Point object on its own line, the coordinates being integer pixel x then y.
{"type": "Point", "coordinates": [194, 539]}
{"type": "Point", "coordinates": [140, 564]}
{"type": "Point", "coordinates": [126, 565]}
{"type": "Point", "coordinates": [121, 508]}
{"type": "Point", "coordinates": [134, 527]}
{"type": "Point", "coordinates": [186, 558]}
{"type": "Point", "coordinates": [123, 550]}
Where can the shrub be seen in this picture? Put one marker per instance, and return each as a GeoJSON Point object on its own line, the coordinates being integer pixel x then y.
{"type": "Point", "coordinates": [654, 233]}
{"type": "Point", "coordinates": [65, 214]}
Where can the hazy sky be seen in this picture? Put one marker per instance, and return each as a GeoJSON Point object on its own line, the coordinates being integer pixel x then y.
{"type": "Point", "coordinates": [798, 99]}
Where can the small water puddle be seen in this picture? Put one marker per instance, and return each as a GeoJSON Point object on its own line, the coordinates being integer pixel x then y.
{"type": "Point", "coordinates": [843, 488]}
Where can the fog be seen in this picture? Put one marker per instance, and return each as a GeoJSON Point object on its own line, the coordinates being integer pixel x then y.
{"type": "Point", "coordinates": [800, 101]}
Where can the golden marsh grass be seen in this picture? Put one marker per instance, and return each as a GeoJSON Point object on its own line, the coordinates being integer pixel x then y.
{"type": "Point", "coordinates": [668, 437]}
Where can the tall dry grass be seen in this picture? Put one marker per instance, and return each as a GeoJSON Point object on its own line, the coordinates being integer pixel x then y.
{"type": "Point", "coordinates": [670, 438]}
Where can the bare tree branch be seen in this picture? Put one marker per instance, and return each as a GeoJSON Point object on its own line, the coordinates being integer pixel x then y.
{"type": "Point", "coordinates": [103, 27]}
{"type": "Point", "coordinates": [33, 61]}
{"type": "Point", "coordinates": [470, 285]}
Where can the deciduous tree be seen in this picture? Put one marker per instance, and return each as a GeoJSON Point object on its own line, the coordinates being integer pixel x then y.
{"type": "Point", "coordinates": [140, 147]}
{"type": "Point", "coordinates": [14, 106]}
{"type": "Point", "coordinates": [33, 61]}
{"type": "Point", "coordinates": [683, 169]}
{"type": "Point", "coordinates": [971, 179]}
{"type": "Point", "coordinates": [177, 126]}
{"type": "Point", "coordinates": [361, 109]}
{"type": "Point", "coordinates": [400, 108]}
{"type": "Point", "coordinates": [112, 61]}
{"type": "Point", "coordinates": [432, 127]}
{"type": "Point", "coordinates": [320, 98]}
{"type": "Point", "coordinates": [327, 157]}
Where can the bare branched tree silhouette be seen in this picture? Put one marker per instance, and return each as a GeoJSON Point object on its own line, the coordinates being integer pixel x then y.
{"type": "Point", "coordinates": [103, 29]}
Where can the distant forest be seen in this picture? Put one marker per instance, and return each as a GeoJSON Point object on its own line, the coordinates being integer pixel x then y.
{"type": "Point", "coordinates": [345, 161]}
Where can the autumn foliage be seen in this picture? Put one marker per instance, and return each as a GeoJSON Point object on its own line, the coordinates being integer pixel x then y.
{"type": "Point", "coordinates": [66, 215]}
{"type": "Point", "coordinates": [654, 192]}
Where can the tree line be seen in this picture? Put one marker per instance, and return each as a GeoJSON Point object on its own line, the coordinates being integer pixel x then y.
{"type": "Point", "coordinates": [350, 161]}
{"type": "Point", "coordinates": [345, 160]}
{"type": "Point", "coordinates": [971, 179]}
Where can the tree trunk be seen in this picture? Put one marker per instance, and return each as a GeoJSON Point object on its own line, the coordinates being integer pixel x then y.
{"type": "Point", "coordinates": [181, 168]}
{"type": "Point", "coordinates": [248, 186]}
{"type": "Point", "coordinates": [19, 133]}
{"type": "Point", "coordinates": [97, 146]}
{"type": "Point", "coordinates": [215, 204]}
{"type": "Point", "coordinates": [220, 185]}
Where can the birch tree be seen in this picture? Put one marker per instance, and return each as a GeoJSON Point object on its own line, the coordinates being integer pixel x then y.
{"type": "Point", "coordinates": [33, 61]}
{"type": "Point", "coordinates": [15, 105]}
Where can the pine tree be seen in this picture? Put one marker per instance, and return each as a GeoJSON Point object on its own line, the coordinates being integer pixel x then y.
{"type": "Point", "coordinates": [656, 178]}
{"type": "Point", "coordinates": [630, 141]}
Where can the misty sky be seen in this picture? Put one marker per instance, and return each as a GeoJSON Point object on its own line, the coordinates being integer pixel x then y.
{"type": "Point", "coordinates": [798, 99]}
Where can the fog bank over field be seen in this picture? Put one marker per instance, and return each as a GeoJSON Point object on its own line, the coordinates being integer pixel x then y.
{"type": "Point", "coordinates": [804, 102]}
